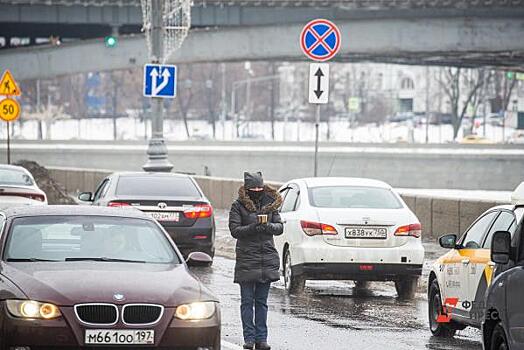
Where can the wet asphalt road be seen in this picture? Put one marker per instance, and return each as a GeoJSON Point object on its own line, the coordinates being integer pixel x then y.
{"type": "Point", "coordinates": [330, 314]}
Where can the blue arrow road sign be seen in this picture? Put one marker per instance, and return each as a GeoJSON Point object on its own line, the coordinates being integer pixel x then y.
{"type": "Point", "coordinates": [160, 80]}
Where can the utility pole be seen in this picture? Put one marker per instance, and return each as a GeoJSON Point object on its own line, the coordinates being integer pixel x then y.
{"type": "Point", "coordinates": [427, 104]}
{"type": "Point", "coordinates": [157, 150]}
{"type": "Point", "coordinates": [317, 124]}
{"type": "Point", "coordinates": [272, 102]}
{"type": "Point", "coordinates": [39, 110]}
{"type": "Point", "coordinates": [115, 103]}
{"type": "Point", "coordinates": [224, 103]}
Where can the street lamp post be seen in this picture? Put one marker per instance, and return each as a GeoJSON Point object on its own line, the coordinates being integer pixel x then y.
{"type": "Point", "coordinates": [248, 82]}
{"type": "Point", "coordinates": [157, 150]}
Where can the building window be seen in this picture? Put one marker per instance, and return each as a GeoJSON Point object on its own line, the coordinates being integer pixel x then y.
{"type": "Point", "coordinates": [407, 84]}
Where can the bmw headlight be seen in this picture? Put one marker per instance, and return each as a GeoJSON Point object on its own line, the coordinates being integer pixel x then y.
{"type": "Point", "coordinates": [196, 311]}
{"type": "Point", "coordinates": [32, 309]}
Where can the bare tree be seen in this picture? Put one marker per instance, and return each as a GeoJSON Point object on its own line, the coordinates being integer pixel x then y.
{"type": "Point", "coordinates": [502, 90]}
{"type": "Point", "coordinates": [457, 83]}
{"type": "Point", "coordinates": [212, 96]}
{"type": "Point", "coordinates": [479, 98]}
{"type": "Point", "coordinates": [185, 96]}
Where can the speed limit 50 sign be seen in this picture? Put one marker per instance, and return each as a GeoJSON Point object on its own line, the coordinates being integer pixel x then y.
{"type": "Point", "coordinates": [9, 109]}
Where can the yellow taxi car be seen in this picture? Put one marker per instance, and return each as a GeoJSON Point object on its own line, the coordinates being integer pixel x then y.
{"type": "Point", "coordinates": [458, 280]}
{"type": "Point", "coordinates": [476, 139]}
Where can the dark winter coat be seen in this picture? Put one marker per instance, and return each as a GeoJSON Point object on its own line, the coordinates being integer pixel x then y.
{"type": "Point", "coordinates": [256, 257]}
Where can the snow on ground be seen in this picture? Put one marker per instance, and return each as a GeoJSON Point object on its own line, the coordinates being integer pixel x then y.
{"type": "Point", "coordinates": [174, 130]}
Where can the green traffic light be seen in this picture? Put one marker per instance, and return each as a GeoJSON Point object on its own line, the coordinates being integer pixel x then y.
{"type": "Point", "coordinates": [110, 41]}
{"type": "Point", "coordinates": [510, 75]}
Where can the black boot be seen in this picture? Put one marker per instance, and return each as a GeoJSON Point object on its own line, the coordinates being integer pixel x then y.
{"type": "Point", "coordinates": [262, 346]}
{"type": "Point", "coordinates": [249, 345]}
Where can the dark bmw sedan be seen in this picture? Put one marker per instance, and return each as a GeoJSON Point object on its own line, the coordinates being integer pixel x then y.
{"type": "Point", "coordinates": [174, 200]}
{"type": "Point", "coordinates": [74, 277]}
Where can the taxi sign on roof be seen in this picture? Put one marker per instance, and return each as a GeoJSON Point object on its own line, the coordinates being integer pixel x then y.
{"type": "Point", "coordinates": [8, 86]}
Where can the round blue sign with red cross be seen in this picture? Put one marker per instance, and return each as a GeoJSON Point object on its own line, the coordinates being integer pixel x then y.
{"type": "Point", "coordinates": [320, 40]}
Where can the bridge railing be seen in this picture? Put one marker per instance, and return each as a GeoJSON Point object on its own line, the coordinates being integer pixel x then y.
{"type": "Point", "coordinates": [350, 4]}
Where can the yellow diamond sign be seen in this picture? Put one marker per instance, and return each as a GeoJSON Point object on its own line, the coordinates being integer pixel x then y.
{"type": "Point", "coordinates": [8, 86]}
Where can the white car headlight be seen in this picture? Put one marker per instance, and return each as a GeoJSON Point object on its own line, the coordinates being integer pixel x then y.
{"type": "Point", "coordinates": [196, 311]}
{"type": "Point", "coordinates": [32, 309]}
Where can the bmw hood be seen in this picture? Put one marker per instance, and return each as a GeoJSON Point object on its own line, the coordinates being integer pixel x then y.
{"type": "Point", "coordinates": [69, 283]}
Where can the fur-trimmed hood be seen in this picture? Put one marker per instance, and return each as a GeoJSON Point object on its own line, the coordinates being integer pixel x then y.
{"type": "Point", "coordinates": [243, 197]}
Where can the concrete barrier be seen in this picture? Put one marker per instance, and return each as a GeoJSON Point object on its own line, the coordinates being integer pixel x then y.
{"type": "Point", "coordinates": [445, 216]}
{"type": "Point", "coordinates": [424, 211]}
{"type": "Point", "coordinates": [438, 216]}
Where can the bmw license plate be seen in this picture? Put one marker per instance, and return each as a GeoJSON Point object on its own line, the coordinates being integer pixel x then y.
{"type": "Point", "coordinates": [164, 216]}
{"type": "Point", "coordinates": [119, 337]}
{"type": "Point", "coordinates": [366, 232]}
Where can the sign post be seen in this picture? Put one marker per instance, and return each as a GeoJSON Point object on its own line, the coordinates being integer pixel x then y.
{"type": "Point", "coordinates": [320, 41]}
{"type": "Point", "coordinates": [9, 107]}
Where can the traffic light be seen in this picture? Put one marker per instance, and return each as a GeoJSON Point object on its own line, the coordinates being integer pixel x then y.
{"type": "Point", "coordinates": [110, 41]}
{"type": "Point", "coordinates": [510, 75]}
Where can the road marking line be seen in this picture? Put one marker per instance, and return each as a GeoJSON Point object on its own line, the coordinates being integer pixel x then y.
{"type": "Point", "coordinates": [230, 346]}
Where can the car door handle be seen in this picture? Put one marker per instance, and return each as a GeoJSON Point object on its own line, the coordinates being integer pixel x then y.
{"type": "Point", "coordinates": [465, 261]}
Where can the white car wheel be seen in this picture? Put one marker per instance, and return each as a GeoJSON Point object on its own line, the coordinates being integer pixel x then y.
{"type": "Point", "coordinates": [293, 284]}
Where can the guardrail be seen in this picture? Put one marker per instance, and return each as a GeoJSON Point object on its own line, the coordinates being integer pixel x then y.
{"type": "Point", "coordinates": [437, 215]}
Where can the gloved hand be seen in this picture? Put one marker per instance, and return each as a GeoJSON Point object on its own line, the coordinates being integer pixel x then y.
{"type": "Point", "coordinates": [261, 228]}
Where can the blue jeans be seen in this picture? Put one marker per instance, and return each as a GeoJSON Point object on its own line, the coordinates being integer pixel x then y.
{"type": "Point", "coordinates": [254, 296]}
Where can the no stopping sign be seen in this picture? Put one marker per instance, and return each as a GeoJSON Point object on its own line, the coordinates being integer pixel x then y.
{"type": "Point", "coordinates": [320, 40]}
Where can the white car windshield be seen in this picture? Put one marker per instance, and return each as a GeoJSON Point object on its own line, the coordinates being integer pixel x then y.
{"type": "Point", "coordinates": [353, 197]}
{"type": "Point", "coordinates": [96, 238]}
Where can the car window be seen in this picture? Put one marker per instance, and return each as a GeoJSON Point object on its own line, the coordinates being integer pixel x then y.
{"type": "Point", "coordinates": [290, 200]}
{"type": "Point", "coordinates": [475, 234]}
{"type": "Point", "coordinates": [69, 237]}
{"type": "Point", "coordinates": [101, 188]}
{"type": "Point", "coordinates": [504, 222]}
{"type": "Point", "coordinates": [353, 197]}
{"type": "Point", "coordinates": [156, 186]}
{"type": "Point", "coordinates": [15, 177]}
{"type": "Point", "coordinates": [283, 193]}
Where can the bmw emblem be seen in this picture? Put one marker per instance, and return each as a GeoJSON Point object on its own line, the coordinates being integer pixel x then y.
{"type": "Point", "coordinates": [119, 297]}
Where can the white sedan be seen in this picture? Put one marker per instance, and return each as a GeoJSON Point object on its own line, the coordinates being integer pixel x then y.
{"type": "Point", "coordinates": [18, 188]}
{"type": "Point", "coordinates": [348, 229]}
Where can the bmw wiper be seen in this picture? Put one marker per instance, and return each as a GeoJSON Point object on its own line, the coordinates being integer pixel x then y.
{"type": "Point", "coordinates": [105, 259]}
{"type": "Point", "coordinates": [29, 260]}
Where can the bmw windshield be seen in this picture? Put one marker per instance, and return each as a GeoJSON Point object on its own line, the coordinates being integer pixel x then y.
{"type": "Point", "coordinates": [93, 238]}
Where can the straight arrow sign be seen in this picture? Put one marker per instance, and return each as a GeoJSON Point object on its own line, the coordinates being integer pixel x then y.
{"type": "Point", "coordinates": [318, 83]}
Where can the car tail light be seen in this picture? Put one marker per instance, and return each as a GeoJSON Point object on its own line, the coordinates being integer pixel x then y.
{"type": "Point", "coordinates": [413, 230]}
{"type": "Point", "coordinates": [118, 204]}
{"type": "Point", "coordinates": [33, 196]}
{"type": "Point", "coordinates": [199, 211]}
{"type": "Point", "coordinates": [316, 228]}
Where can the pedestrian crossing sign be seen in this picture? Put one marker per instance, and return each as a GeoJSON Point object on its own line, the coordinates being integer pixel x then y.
{"type": "Point", "coordinates": [8, 86]}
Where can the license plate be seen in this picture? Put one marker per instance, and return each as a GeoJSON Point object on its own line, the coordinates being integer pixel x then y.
{"type": "Point", "coordinates": [165, 216]}
{"type": "Point", "coordinates": [122, 337]}
{"type": "Point", "coordinates": [366, 232]}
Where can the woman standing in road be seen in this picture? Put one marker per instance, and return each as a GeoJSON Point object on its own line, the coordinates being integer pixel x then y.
{"type": "Point", "coordinates": [253, 221]}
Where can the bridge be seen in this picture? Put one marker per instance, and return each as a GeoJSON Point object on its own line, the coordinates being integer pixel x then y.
{"type": "Point", "coordinates": [435, 32]}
